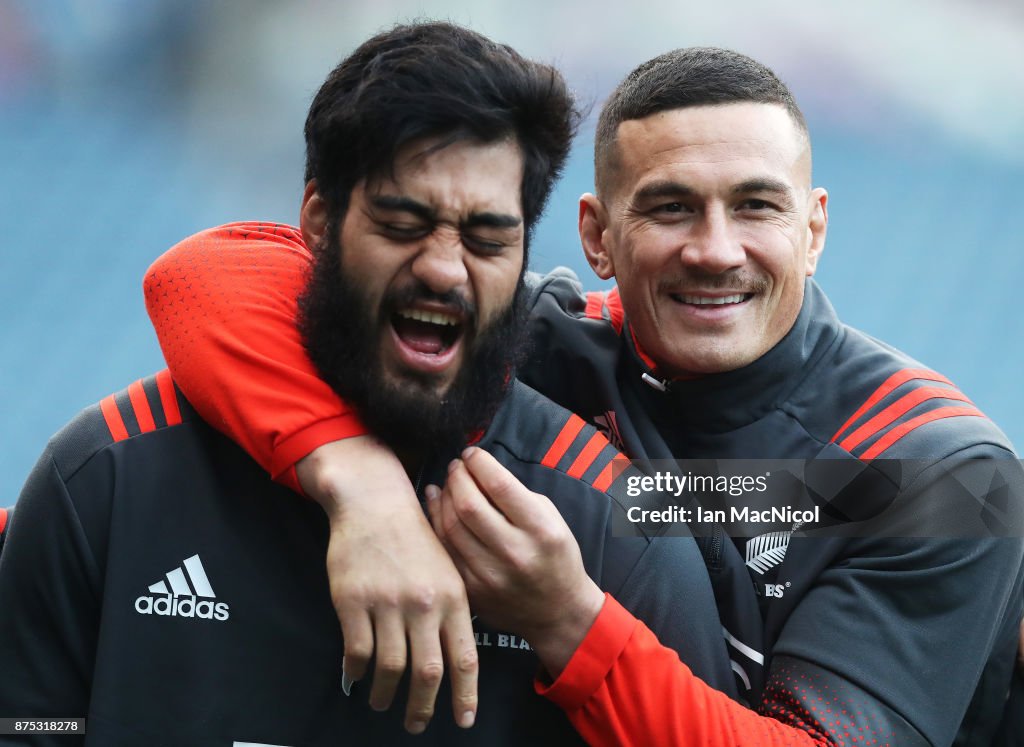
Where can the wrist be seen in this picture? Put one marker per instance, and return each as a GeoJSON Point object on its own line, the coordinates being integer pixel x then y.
{"type": "Point", "coordinates": [356, 475]}
{"type": "Point", "coordinates": [556, 642]}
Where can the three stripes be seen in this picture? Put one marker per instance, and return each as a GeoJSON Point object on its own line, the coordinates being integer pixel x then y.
{"type": "Point", "coordinates": [138, 404]}
{"type": "Point", "coordinates": [900, 407]}
{"type": "Point", "coordinates": [179, 579]}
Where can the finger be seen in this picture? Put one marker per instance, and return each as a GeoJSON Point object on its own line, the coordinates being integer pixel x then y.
{"type": "Point", "coordinates": [473, 510]}
{"type": "Point", "coordinates": [435, 515]}
{"type": "Point", "coordinates": [357, 632]}
{"type": "Point", "coordinates": [515, 501]}
{"type": "Point", "coordinates": [463, 665]}
{"type": "Point", "coordinates": [433, 494]}
{"type": "Point", "coordinates": [426, 673]}
{"type": "Point", "coordinates": [435, 510]}
{"type": "Point", "coordinates": [391, 659]}
{"type": "Point", "coordinates": [457, 535]}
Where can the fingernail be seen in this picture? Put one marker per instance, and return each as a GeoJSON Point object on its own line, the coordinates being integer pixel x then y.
{"type": "Point", "coordinates": [468, 452]}
{"type": "Point", "coordinates": [467, 719]}
{"type": "Point", "coordinates": [452, 465]}
{"type": "Point", "coordinates": [417, 727]}
{"type": "Point", "coordinates": [346, 682]}
{"type": "Point", "coordinates": [432, 492]}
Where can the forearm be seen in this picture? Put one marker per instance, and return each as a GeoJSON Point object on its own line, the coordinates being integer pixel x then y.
{"type": "Point", "coordinates": [233, 345]}
{"type": "Point", "coordinates": [622, 687]}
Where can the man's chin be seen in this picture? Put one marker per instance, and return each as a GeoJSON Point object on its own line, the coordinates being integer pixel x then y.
{"type": "Point", "coordinates": [429, 387]}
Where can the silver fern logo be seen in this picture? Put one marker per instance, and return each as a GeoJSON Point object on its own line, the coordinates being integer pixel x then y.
{"type": "Point", "coordinates": [767, 550]}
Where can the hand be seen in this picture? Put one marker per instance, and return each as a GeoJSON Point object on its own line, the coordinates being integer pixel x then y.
{"type": "Point", "coordinates": [522, 567]}
{"type": "Point", "coordinates": [391, 581]}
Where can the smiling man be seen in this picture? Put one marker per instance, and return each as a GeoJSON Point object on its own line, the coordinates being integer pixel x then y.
{"type": "Point", "coordinates": [716, 344]}
{"type": "Point", "coordinates": [709, 226]}
{"type": "Point", "coordinates": [155, 581]}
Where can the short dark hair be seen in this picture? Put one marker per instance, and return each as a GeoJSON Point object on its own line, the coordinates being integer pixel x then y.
{"type": "Point", "coordinates": [697, 76]}
{"type": "Point", "coordinates": [433, 79]}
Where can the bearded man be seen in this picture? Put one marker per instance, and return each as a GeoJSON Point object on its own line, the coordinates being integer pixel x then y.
{"type": "Point", "coordinates": [154, 579]}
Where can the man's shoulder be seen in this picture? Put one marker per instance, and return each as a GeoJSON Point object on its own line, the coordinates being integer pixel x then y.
{"type": "Point", "coordinates": [559, 294]}
{"type": "Point", "coordinates": [874, 401]}
{"type": "Point", "coordinates": [554, 452]}
{"type": "Point", "coordinates": [147, 406]}
{"type": "Point", "coordinates": [534, 430]}
{"type": "Point", "coordinates": [575, 338]}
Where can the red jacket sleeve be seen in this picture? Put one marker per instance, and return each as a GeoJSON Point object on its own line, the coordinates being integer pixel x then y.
{"type": "Point", "coordinates": [623, 688]}
{"type": "Point", "coordinates": [226, 300]}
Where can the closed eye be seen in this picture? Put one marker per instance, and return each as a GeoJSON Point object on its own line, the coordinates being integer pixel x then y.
{"type": "Point", "coordinates": [481, 245]}
{"type": "Point", "coordinates": [404, 231]}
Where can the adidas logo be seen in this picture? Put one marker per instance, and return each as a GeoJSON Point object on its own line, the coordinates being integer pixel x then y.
{"type": "Point", "coordinates": [189, 594]}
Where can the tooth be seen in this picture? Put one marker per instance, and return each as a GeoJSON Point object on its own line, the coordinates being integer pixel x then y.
{"type": "Point", "coordinates": [706, 300]}
{"type": "Point", "coordinates": [430, 317]}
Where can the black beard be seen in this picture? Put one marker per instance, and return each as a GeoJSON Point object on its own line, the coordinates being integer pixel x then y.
{"type": "Point", "coordinates": [341, 332]}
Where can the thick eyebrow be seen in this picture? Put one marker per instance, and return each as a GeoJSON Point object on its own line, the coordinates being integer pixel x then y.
{"type": "Point", "coordinates": [762, 184]}
{"type": "Point", "coordinates": [403, 204]}
{"type": "Point", "coordinates": [663, 189]}
{"type": "Point", "coordinates": [426, 213]}
{"type": "Point", "coordinates": [659, 189]}
{"type": "Point", "coordinates": [492, 220]}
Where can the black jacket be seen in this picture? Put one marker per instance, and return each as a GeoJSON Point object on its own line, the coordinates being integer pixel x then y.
{"type": "Point", "coordinates": [155, 581]}
{"type": "Point", "coordinates": [871, 634]}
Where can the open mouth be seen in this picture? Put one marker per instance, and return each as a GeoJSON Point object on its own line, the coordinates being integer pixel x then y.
{"type": "Point", "coordinates": [427, 340]}
{"type": "Point", "coordinates": [427, 332]}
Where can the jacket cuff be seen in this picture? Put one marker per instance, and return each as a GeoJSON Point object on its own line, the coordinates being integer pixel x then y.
{"type": "Point", "coordinates": [290, 450]}
{"type": "Point", "coordinates": [593, 659]}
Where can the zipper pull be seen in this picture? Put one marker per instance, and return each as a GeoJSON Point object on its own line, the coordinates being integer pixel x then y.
{"type": "Point", "coordinates": [660, 384]}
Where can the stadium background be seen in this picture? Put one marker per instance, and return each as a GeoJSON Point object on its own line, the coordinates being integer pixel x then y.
{"type": "Point", "coordinates": [128, 124]}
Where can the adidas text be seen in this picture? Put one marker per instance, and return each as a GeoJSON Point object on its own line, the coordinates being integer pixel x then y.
{"type": "Point", "coordinates": [181, 607]}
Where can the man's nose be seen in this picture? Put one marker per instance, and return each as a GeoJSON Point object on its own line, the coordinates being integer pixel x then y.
{"type": "Point", "coordinates": [713, 245]}
{"type": "Point", "coordinates": [440, 262]}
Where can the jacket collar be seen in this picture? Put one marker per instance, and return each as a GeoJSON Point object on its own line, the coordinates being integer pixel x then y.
{"type": "Point", "coordinates": [729, 400]}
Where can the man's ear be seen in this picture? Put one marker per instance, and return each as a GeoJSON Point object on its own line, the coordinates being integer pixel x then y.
{"type": "Point", "coordinates": [817, 227]}
{"type": "Point", "coordinates": [312, 216]}
{"type": "Point", "coordinates": [593, 224]}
